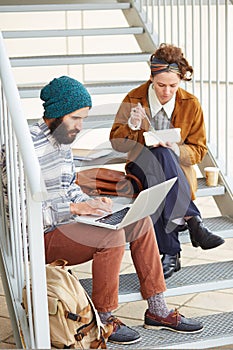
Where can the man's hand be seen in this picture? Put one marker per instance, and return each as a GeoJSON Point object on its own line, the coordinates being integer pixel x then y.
{"type": "Point", "coordinates": [96, 206]}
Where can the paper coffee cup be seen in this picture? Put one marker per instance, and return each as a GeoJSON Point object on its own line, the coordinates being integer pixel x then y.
{"type": "Point", "coordinates": [211, 174]}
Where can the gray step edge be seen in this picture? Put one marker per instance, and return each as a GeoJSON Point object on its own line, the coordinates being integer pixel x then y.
{"type": "Point", "coordinates": [51, 60]}
{"type": "Point", "coordinates": [218, 331]}
{"type": "Point", "coordinates": [112, 5]}
{"type": "Point", "coordinates": [190, 279]}
{"type": "Point", "coordinates": [71, 32]}
{"type": "Point", "coordinates": [33, 90]}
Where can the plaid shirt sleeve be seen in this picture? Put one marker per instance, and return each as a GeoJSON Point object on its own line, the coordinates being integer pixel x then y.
{"type": "Point", "coordinates": [59, 175]}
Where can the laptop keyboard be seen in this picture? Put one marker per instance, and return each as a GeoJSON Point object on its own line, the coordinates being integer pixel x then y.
{"type": "Point", "coordinates": [114, 218]}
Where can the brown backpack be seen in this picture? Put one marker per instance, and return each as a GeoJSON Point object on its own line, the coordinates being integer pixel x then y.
{"type": "Point", "coordinates": [74, 321]}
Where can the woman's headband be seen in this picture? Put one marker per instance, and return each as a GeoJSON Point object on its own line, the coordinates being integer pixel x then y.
{"type": "Point", "coordinates": [159, 66]}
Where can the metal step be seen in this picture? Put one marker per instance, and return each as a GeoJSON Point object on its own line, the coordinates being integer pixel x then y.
{"type": "Point", "coordinates": [70, 32]}
{"type": "Point", "coordinates": [218, 331]}
{"type": "Point", "coordinates": [60, 60]}
{"type": "Point", "coordinates": [190, 279]}
{"type": "Point", "coordinates": [100, 88]}
{"type": "Point", "coordinates": [205, 191]}
{"type": "Point", "coordinates": [68, 6]}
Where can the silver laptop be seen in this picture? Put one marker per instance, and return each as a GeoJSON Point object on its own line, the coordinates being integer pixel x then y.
{"type": "Point", "coordinates": [146, 203]}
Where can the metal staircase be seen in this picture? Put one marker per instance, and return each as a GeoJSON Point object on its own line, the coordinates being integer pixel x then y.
{"type": "Point", "coordinates": [32, 71]}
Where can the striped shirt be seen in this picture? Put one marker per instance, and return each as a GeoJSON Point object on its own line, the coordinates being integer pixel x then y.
{"type": "Point", "coordinates": [59, 175]}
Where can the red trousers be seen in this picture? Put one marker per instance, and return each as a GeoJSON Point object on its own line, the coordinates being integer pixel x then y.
{"type": "Point", "coordinates": [78, 243]}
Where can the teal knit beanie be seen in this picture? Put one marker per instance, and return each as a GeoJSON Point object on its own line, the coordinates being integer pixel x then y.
{"type": "Point", "coordinates": [64, 95]}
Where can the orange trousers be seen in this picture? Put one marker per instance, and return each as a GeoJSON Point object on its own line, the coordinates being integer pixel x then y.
{"type": "Point", "coordinates": [78, 243]}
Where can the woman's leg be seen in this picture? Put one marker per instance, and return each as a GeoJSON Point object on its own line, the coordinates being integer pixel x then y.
{"type": "Point", "coordinates": [154, 166]}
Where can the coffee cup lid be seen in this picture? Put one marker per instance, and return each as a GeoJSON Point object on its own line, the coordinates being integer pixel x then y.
{"type": "Point", "coordinates": [211, 168]}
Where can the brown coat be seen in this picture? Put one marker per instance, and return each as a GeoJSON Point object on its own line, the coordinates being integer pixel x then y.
{"type": "Point", "coordinates": [187, 115]}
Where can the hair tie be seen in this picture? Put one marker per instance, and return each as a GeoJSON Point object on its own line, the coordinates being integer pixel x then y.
{"type": "Point", "coordinates": [159, 66]}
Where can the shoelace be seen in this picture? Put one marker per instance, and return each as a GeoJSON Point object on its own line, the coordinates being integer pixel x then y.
{"type": "Point", "coordinates": [115, 322]}
{"type": "Point", "coordinates": [176, 315]}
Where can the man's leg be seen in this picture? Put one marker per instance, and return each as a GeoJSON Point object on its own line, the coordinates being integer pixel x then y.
{"type": "Point", "coordinates": [64, 243]}
{"type": "Point", "coordinates": [145, 255]}
{"type": "Point", "coordinates": [147, 263]}
{"type": "Point", "coordinates": [78, 243]}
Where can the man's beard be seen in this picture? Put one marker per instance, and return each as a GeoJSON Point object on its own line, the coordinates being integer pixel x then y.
{"type": "Point", "coordinates": [60, 132]}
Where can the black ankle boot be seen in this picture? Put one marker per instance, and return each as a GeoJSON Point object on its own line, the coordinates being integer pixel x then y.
{"type": "Point", "coordinates": [201, 236]}
{"type": "Point", "coordinates": [171, 264]}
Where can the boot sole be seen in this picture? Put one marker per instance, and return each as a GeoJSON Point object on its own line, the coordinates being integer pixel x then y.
{"type": "Point", "coordinates": [196, 245]}
{"type": "Point", "coordinates": [126, 342]}
{"type": "Point", "coordinates": [157, 328]}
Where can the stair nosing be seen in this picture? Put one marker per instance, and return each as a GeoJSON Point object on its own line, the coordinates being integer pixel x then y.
{"type": "Point", "coordinates": [67, 7]}
{"type": "Point", "coordinates": [70, 32]}
{"type": "Point", "coordinates": [73, 59]}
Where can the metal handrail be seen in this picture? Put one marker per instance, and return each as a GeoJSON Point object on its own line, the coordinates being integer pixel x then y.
{"type": "Point", "coordinates": [22, 259]}
{"type": "Point", "coordinates": [31, 164]}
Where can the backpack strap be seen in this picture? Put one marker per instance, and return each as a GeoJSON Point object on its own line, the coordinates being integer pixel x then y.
{"type": "Point", "coordinates": [59, 262]}
{"type": "Point", "coordinates": [97, 343]}
{"type": "Point", "coordinates": [82, 332]}
{"type": "Point", "coordinates": [78, 317]}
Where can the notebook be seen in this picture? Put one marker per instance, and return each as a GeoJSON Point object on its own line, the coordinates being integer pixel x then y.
{"type": "Point", "coordinates": [146, 203]}
{"type": "Point", "coordinates": [165, 135]}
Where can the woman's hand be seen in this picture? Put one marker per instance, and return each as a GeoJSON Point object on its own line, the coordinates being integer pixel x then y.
{"type": "Point", "coordinates": [173, 146]}
{"type": "Point", "coordinates": [137, 114]}
{"type": "Point", "coordinates": [96, 206]}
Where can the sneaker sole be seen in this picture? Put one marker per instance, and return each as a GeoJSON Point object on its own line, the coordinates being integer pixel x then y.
{"type": "Point", "coordinates": [126, 342]}
{"type": "Point", "coordinates": [157, 328]}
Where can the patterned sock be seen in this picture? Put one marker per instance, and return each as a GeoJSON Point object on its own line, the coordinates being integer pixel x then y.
{"type": "Point", "coordinates": [104, 316]}
{"type": "Point", "coordinates": [157, 305]}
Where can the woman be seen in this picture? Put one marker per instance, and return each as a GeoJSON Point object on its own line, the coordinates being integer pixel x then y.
{"type": "Point", "coordinates": [160, 103]}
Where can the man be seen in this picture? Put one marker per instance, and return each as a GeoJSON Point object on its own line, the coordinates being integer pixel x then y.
{"type": "Point", "coordinates": [66, 104]}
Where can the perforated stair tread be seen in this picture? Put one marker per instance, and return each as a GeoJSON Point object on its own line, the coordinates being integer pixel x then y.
{"type": "Point", "coordinates": [189, 279]}
{"type": "Point", "coordinates": [218, 330]}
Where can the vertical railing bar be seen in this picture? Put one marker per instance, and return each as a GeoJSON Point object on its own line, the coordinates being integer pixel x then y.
{"type": "Point", "coordinates": [227, 136]}
{"type": "Point", "coordinates": [185, 35]}
{"type": "Point", "coordinates": [209, 73]}
{"type": "Point", "coordinates": [1, 118]}
{"type": "Point", "coordinates": [67, 39]}
{"type": "Point", "coordinates": [164, 21]}
{"type": "Point", "coordinates": [185, 25]}
{"type": "Point", "coordinates": [153, 16]}
{"type": "Point", "coordinates": [25, 254]}
{"type": "Point", "coordinates": [172, 24]}
{"type": "Point", "coordinates": [158, 21]}
{"type": "Point", "coordinates": [193, 44]}
{"type": "Point", "coordinates": [201, 53]}
{"type": "Point", "coordinates": [82, 45]}
{"type": "Point", "coordinates": [178, 22]}
{"type": "Point", "coordinates": [13, 189]}
{"type": "Point", "coordinates": [8, 241]}
{"type": "Point", "coordinates": [36, 245]}
{"type": "Point", "coordinates": [147, 10]}
{"type": "Point", "coordinates": [217, 79]}
{"type": "Point", "coordinates": [18, 238]}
